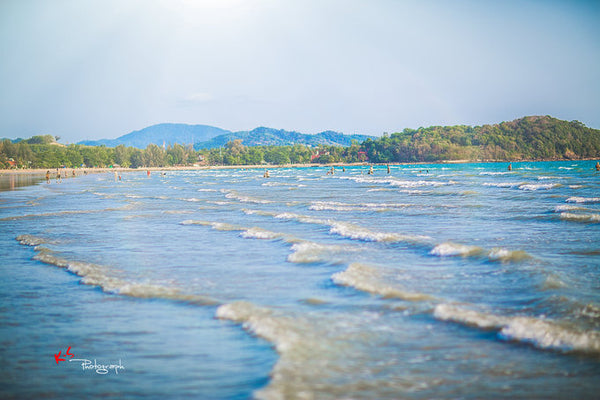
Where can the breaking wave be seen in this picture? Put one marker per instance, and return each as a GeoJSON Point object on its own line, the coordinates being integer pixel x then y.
{"type": "Point", "coordinates": [449, 249]}
{"type": "Point", "coordinates": [106, 278]}
{"type": "Point", "coordinates": [541, 333]}
{"type": "Point", "coordinates": [368, 279]}
{"type": "Point", "coordinates": [311, 252]}
{"type": "Point", "coordinates": [580, 217]}
{"type": "Point", "coordinates": [583, 200]}
{"type": "Point", "coordinates": [532, 187]}
{"type": "Point", "coordinates": [337, 206]}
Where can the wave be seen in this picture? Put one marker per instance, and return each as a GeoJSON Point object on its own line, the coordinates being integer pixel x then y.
{"type": "Point", "coordinates": [66, 212]}
{"type": "Point", "coordinates": [583, 200]}
{"type": "Point", "coordinates": [502, 254]}
{"type": "Point", "coordinates": [567, 207]}
{"type": "Point", "coordinates": [397, 182]}
{"type": "Point", "coordinates": [552, 282]}
{"type": "Point", "coordinates": [259, 233]}
{"type": "Point", "coordinates": [580, 217]}
{"type": "Point", "coordinates": [368, 279]}
{"type": "Point", "coordinates": [106, 279]}
{"type": "Point", "coordinates": [31, 240]}
{"type": "Point", "coordinates": [219, 226]}
{"type": "Point", "coordinates": [246, 233]}
{"type": "Point", "coordinates": [232, 194]}
{"type": "Point", "coordinates": [501, 184]}
{"type": "Point", "coordinates": [356, 232]}
{"type": "Point", "coordinates": [494, 173]}
{"type": "Point", "coordinates": [532, 187]}
{"type": "Point", "coordinates": [337, 206]}
{"type": "Point", "coordinates": [311, 252]}
{"type": "Point", "coordinates": [541, 333]}
{"type": "Point", "coordinates": [449, 249]}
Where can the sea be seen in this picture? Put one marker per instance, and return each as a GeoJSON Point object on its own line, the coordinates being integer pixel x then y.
{"type": "Point", "coordinates": [430, 281]}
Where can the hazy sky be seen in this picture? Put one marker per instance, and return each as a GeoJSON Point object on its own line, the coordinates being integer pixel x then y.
{"type": "Point", "coordinates": [87, 69]}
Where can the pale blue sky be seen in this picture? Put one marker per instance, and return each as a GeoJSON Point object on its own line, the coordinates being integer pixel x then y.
{"type": "Point", "coordinates": [90, 69]}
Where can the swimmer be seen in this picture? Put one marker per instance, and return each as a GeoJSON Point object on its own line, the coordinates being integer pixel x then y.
{"type": "Point", "coordinates": [510, 167]}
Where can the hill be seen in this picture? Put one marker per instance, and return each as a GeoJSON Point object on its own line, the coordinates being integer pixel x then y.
{"type": "Point", "coordinates": [161, 133]}
{"type": "Point", "coordinates": [278, 137]}
{"type": "Point", "coordinates": [527, 138]}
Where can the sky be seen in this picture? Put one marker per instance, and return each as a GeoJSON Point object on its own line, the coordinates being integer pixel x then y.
{"type": "Point", "coordinates": [92, 69]}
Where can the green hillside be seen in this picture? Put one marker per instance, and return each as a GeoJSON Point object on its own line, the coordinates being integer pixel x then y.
{"type": "Point", "coordinates": [528, 138]}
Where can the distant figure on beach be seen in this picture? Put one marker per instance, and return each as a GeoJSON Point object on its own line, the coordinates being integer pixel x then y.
{"type": "Point", "coordinates": [116, 175]}
{"type": "Point", "coordinates": [48, 176]}
{"type": "Point", "coordinates": [74, 173]}
{"type": "Point", "coordinates": [510, 167]}
{"type": "Point", "coordinates": [58, 175]}
{"type": "Point", "coordinates": [598, 166]}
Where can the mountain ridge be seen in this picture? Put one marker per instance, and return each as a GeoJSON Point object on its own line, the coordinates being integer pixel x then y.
{"type": "Point", "coordinates": [207, 137]}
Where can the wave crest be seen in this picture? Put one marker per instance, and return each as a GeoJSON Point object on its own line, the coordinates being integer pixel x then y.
{"type": "Point", "coordinates": [541, 333]}
{"type": "Point", "coordinates": [368, 279]}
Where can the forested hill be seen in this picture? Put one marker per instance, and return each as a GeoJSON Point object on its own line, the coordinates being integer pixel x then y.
{"type": "Point", "coordinates": [527, 138]}
{"type": "Point", "coordinates": [278, 137]}
{"type": "Point", "coordinates": [160, 134]}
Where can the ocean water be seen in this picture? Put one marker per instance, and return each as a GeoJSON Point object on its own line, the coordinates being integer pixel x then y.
{"type": "Point", "coordinates": [461, 281]}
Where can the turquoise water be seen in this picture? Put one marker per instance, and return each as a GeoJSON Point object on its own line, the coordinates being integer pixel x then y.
{"type": "Point", "coordinates": [432, 281]}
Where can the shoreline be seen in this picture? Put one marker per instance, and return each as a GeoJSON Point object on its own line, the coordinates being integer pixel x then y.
{"type": "Point", "coordinates": [81, 171]}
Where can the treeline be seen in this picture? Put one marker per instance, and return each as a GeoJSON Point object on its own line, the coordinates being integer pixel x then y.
{"type": "Point", "coordinates": [529, 138]}
{"type": "Point", "coordinates": [45, 152]}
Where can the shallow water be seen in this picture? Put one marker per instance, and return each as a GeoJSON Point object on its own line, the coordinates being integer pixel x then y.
{"type": "Point", "coordinates": [433, 281]}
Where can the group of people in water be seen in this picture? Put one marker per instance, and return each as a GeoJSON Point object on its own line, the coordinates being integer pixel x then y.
{"type": "Point", "coordinates": [60, 175]}
{"type": "Point", "coordinates": [331, 171]}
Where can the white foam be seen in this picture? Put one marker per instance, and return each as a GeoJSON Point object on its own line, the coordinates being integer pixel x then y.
{"type": "Point", "coordinates": [502, 254]}
{"type": "Point", "coordinates": [311, 252]}
{"type": "Point", "coordinates": [359, 233]}
{"type": "Point", "coordinates": [454, 249]}
{"type": "Point", "coordinates": [368, 279]}
{"type": "Point", "coordinates": [259, 233]}
{"type": "Point", "coordinates": [106, 278]}
{"type": "Point", "coordinates": [219, 226]}
{"type": "Point", "coordinates": [567, 207]}
{"type": "Point", "coordinates": [580, 217]}
{"type": "Point", "coordinates": [532, 187]}
{"type": "Point", "coordinates": [539, 332]}
{"type": "Point", "coordinates": [31, 240]}
{"type": "Point", "coordinates": [337, 206]}
{"type": "Point", "coordinates": [244, 199]}
{"type": "Point", "coordinates": [501, 184]}
{"type": "Point", "coordinates": [583, 200]}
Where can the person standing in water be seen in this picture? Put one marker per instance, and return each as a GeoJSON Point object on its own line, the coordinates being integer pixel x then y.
{"type": "Point", "coordinates": [598, 166]}
{"type": "Point", "coordinates": [48, 176]}
{"type": "Point", "coordinates": [510, 167]}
